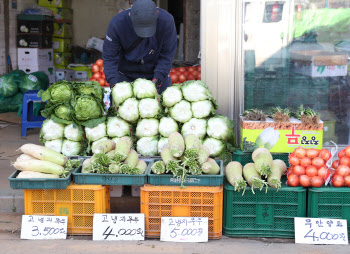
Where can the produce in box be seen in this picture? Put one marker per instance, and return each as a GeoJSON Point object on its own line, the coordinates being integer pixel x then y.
{"type": "Point", "coordinates": [99, 76]}
{"type": "Point", "coordinates": [341, 167]}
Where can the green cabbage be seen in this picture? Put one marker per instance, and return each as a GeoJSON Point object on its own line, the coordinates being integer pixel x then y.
{"type": "Point", "coordinates": [144, 88]}
{"type": "Point", "coordinates": [167, 126]}
{"type": "Point", "coordinates": [86, 107]}
{"type": "Point", "coordinates": [129, 110]}
{"type": "Point", "coordinates": [93, 134]}
{"type": "Point", "coordinates": [58, 92]}
{"type": "Point", "coordinates": [63, 112]}
{"type": "Point", "coordinates": [121, 92]}
{"type": "Point", "coordinates": [34, 81]}
{"type": "Point", "coordinates": [147, 128]}
{"type": "Point", "coordinates": [195, 126]}
{"type": "Point", "coordinates": [51, 130]}
{"type": "Point", "coordinates": [149, 108]}
{"type": "Point", "coordinates": [215, 146]}
{"type": "Point", "coordinates": [147, 146]}
{"type": "Point", "coordinates": [73, 134]}
{"type": "Point", "coordinates": [55, 145]}
{"type": "Point", "coordinates": [181, 111]}
{"type": "Point", "coordinates": [171, 96]}
{"type": "Point", "coordinates": [90, 87]}
{"type": "Point", "coordinates": [8, 85]}
{"type": "Point", "coordinates": [117, 127]}
{"type": "Point", "coordinates": [70, 148]}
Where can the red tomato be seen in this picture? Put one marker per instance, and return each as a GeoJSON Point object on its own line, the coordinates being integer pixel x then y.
{"type": "Point", "coordinates": [182, 69]}
{"type": "Point", "coordinates": [306, 161]}
{"type": "Point", "coordinates": [299, 170]}
{"type": "Point", "coordinates": [191, 77]}
{"type": "Point", "coordinates": [317, 162]}
{"type": "Point", "coordinates": [345, 160]}
{"type": "Point", "coordinates": [347, 181]}
{"type": "Point", "coordinates": [294, 161]}
{"type": "Point", "coordinates": [174, 77]}
{"type": "Point", "coordinates": [338, 181]}
{"type": "Point", "coordinates": [325, 154]}
{"type": "Point", "coordinates": [172, 69]}
{"type": "Point", "coordinates": [199, 68]}
{"type": "Point", "coordinates": [317, 181]}
{"type": "Point", "coordinates": [102, 81]}
{"type": "Point", "coordinates": [300, 152]}
{"type": "Point", "coordinates": [177, 73]}
{"type": "Point", "coordinates": [103, 76]}
{"type": "Point", "coordinates": [99, 62]}
{"type": "Point", "coordinates": [347, 151]}
{"type": "Point", "coordinates": [290, 170]}
{"type": "Point", "coordinates": [293, 180]}
{"type": "Point", "coordinates": [312, 153]}
{"type": "Point", "coordinates": [341, 153]}
{"type": "Point", "coordinates": [102, 69]}
{"type": "Point", "coordinates": [311, 171]}
{"type": "Point", "coordinates": [195, 73]}
{"type": "Point", "coordinates": [324, 173]}
{"type": "Point", "coordinates": [343, 170]}
{"type": "Point", "coordinates": [108, 85]}
{"type": "Point", "coordinates": [305, 180]}
{"type": "Point", "coordinates": [335, 164]}
{"type": "Point", "coordinates": [97, 75]}
{"type": "Point", "coordinates": [95, 68]}
{"type": "Point", "coordinates": [191, 69]}
{"type": "Point", "coordinates": [92, 79]}
{"type": "Point", "coordinates": [182, 78]}
{"type": "Point", "coordinates": [199, 76]}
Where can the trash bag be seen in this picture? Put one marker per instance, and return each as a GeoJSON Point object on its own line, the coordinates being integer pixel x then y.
{"type": "Point", "coordinates": [8, 86]}
{"type": "Point", "coordinates": [11, 104]}
{"type": "Point", "coordinates": [34, 81]}
{"type": "Point", "coordinates": [19, 76]}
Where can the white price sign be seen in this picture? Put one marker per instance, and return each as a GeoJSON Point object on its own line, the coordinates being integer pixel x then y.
{"type": "Point", "coordinates": [320, 231]}
{"type": "Point", "coordinates": [184, 229]}
{"type": "Point", "coordinates": [44, 227]}
{"type": "Point", "coordinates": [119, 226]}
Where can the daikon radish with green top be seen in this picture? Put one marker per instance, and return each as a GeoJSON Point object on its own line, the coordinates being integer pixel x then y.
{"type": "Point", "coordinates": [192, 144]}
{"type": "Point", "coordinates": [31, 174]}
{"type": "Point", "coordinates": [104, 146]}
{"type": "Point", "coordinates": [158, 167]}
{"type": "Point", "coordinates": [114, 168]}
{"type": "Point", "coordinates": [141, 166]}
{"type": "Point", "coordinates": [24, 156]}
{"type": "Point", "coordinates": [277, 170]}
{"type": "Point", "coordinates": [44, 154]}
{"type": "Point", "coordinates": [210, 167]}
{"type": "Point", "coordinates": [132, 158]}
{"type": "Point", "coordinates": [176, 144]}
{"type": "Point", "coordinates": [86, 167]}
{"type": "Point", "coordinates": [253, 177]}
{"type": "Point", "coordinates": [263, 161]}
{"type": "Point", "coordinates": [234, 171]}
{"type": "Point", "coordinates": [166, 155]}
{"type": "Point", "coordinates": [203, 154]}
{"type": "Point", "coordinates": [122, 148]}
{"type": "Point", "coordinates": [39, 166]}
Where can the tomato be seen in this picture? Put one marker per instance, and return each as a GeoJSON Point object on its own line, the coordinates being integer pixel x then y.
{"type": "Point", "coordinates": [305, 180]}
{"type": "Point", "coordinates": [345, 160]}
{"type": "Point", "coordinates": [341, 153]}
{"type": "Point", "coordinates": [92, 79]}
{"type": "Point", "coordinates": [99, 62]}
{"type": "Point", "coordinates": [97, 75]}
{"type": "Point", "coordinates": [311, 171]}
{"type": "Point", "coordinates": [199, 76]}
{"type": "Point", "coordinates": [317, 162]}
{"type": "Point", "coordinates": [324, 173]}
{"type": "Point", "coordinates": [290, 170]}
{"type": "Point", "coordinates": [195, 73]}
{"type": "Point", "coordinates": [172, 69]}
{"type": "Point", "coordinates": [347, 181]}
{"type": "Point", "coordinates": [107, 84]}
{"type": "Point", "coordinates": [177, 72]}
{"type": "Point", "coordinates": [306, 161]}
{"type": "Point", "coordinates": [95, 68]}
{"type": "Point", "coordinates": [102, 69]}
{"type": "Point", "coordinates": [300, 152]}
{"type": "Point", "coordinates": [343, 170]}
{"type": "Point", "coordinates": [294, 161]}
{"type": "Point", "coordinates": [103, 76]}
{"type": "Point", "coordinates": [182, 69]}
{"type": "Point", "coordinates": [347, 151]}
{"type": "Point", "coordinates": [293, 180]}
{"type": "Point", "coordinates": [191, 69]}
{"type": "Point", "coordinates": [317, 181]}
{"type": "Point", "coordinates": [102, 81]}
{"type": "Point", "coordinates": [338, 181]}
{"type": "Point", "coordinates": [325, 154]}
{"type": "Point", "coordinates": [335, 164]}
{"type": "Point", "coordinates": [312, 153]}
{"type": "Point", "coordinates": [174, 77]}
{"type": "Point", "coordinates": [199, 68]}
{"type": "Point", "coordinates": [191, 77]}
{"type": "Point", "coordinates": [182, 78]}
{"type": "Point", "coordinates": [299, 170]}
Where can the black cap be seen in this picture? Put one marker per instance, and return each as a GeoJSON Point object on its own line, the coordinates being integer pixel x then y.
{"type": "Point", "coordinates": [144, 18]}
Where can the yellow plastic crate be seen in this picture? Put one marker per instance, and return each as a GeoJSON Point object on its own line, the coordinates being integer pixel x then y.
{"type": "Point", "coordinates": [172, 201]}
{"type": "Point", "coordinates": [78, 202]}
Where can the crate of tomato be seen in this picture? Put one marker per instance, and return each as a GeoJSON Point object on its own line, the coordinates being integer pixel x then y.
{"type": "Point", "coordinates": [181, 74]}
{"type": "Point", "coordinates": [99, 76]}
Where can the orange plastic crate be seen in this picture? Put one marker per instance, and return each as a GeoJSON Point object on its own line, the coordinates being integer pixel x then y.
{"type": "Point", "coordinates": [78, 202]}
{"type": "Point", "coordinates": [172, 201]}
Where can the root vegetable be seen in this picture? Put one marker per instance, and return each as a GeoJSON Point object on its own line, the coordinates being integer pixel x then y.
{"type": "Point", "coordinates": [277, 170]}
{"type": "Point", "coordinates": [141, 166]}
{"type": "Point", "coordinates": [31, 174]}
{"type": "Point", "coordinates": [122, 148]}
{"type": "Point", "coordinates": [210, 167]}
{"type": "Point", "coordinates": [114, 168]}
{"type": "Point", "coordinates": [39, 166]}
{"type": "Point", "coordinates": [234, 176]}
{"type": "Point", "coordinates": [86, 167]}
{"type": "Point", "coordinates": [44, 154]}
{"type": "Point", "coordinates": [158, 167]}
{"type": "Point", "coordinates": [103, 146]}
{"type": "Point", "coordinates": [263, 161]}
{"type": "Point", "coordinates": [176, 144]}
{"type": "Point", "coordinates": [203, 154]}
{"type": "Point", "coordinates": [166, 155]}
{"type": "Point", "coordinates": [253, 177]}
{"type": "Point", "coordinates": [132, 158]}
{"type": "Point", "coordinates": [192, 143]}
{"type": "Point", "coordinates": [24, 156]}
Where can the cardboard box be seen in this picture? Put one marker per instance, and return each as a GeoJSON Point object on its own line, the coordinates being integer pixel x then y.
{"type": "Point", "coordinates": [35, 56]}
{"type": "Point", "coordinates": [64, 74]}
{"type": "Point", "coordinates": [49, 70]}
{"type": "Point", "coordinates": [95, 43]}
{"type": "Point", "coordinates": [39, 24]}
{"type": "Point", "coordinates": [63, 30]}
{"type": "Point", "coordinates": [279, 137]}
{"type": "Point", "coordinates": [319, 63]}
{"type": "Point", "coordinates": [64, 15]}
{"type": "Point", "coordinates": [34, 41]}
{"type": "Point", "coordinates": [55, 3]}
{"type": "Point", "coordinates": [61, 45]}
{"type": "Point", "coordinates": [62, 59]}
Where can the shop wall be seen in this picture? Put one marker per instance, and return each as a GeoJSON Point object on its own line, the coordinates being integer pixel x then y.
{"type": "Point", "coordinates": [192, 29]}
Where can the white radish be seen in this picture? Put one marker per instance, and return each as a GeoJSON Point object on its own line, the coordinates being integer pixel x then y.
{"type": "Point", "coordinates": [44, 154]}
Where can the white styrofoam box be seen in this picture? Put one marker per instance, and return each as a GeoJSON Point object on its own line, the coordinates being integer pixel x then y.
{"type": "Point", "coordinates": [106, 99]}
{"type": "Point", "coordinates": [135, 191]}
{"type": "Point", "coordinates": [95, 43]}
{"type": "Point", "coordinates": [35, 56]}
{"type": "Point", "coordinates": [116, 191]}
{"type": "Point", "coordinates": [49, 70]}
{"type": "Point", "coordinates": [81, 76]}
{"type": "Point", "coordinates": [64, 74]}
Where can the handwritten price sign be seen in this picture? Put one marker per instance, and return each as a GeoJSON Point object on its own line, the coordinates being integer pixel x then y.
{"type": "Point", "coordinates": [119, 226]}
{"type": "Point", "coordinates": [320, 231]}
{"type": "Point", "coordinates": [44, 227]}
{"type": "Point", "coordinates": [184, 229]}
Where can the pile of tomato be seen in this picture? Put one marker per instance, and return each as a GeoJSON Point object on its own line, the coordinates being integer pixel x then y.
{"type": "Point", "coordinates": [181, 74]}
{"type": "Point", "coordinates": [308, 167]}
{"type": "Point", "coordinates": [341, 176]}
{"type": "Point", "coordinates": [98, 74]}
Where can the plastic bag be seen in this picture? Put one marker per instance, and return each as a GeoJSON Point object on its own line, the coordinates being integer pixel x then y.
{"type": "Point", "coordinates": [8, 86]}
{"type": "Point", "coordinates": [11, 104]}
{"type": "Point", "coordinates": [34, 81]}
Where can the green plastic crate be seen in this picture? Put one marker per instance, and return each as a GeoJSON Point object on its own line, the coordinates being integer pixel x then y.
{"type": "Point", "coordinates": [329, 202]}
{"type": "Point", "coordinates": [263, 214]}
{"type": "Point", "coordinates": [191, 180]}
{"type": "Point", "coordinates": [245, 158]}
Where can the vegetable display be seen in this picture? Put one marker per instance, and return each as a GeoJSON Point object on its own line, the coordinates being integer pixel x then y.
{"type": "Point", "coordinates": [181, 74]}
{"type": "Point", "coordinates": [98, 74]}
{"type": "Point", "coordinates": [341, 169]}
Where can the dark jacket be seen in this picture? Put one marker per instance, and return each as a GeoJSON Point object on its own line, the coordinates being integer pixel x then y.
{"type": "Point", "coordinates": [152, 58]}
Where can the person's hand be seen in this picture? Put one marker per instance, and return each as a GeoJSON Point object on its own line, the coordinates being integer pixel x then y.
{"type": "Point", "coordinates": [158, 84]}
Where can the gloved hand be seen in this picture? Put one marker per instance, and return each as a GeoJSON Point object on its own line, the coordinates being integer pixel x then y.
{"type": "Point", "coordinates": [158, 84]}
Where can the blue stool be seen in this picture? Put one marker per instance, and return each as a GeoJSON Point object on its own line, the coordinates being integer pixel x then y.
{"type": "Point", "coordinates": [30, 121]}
